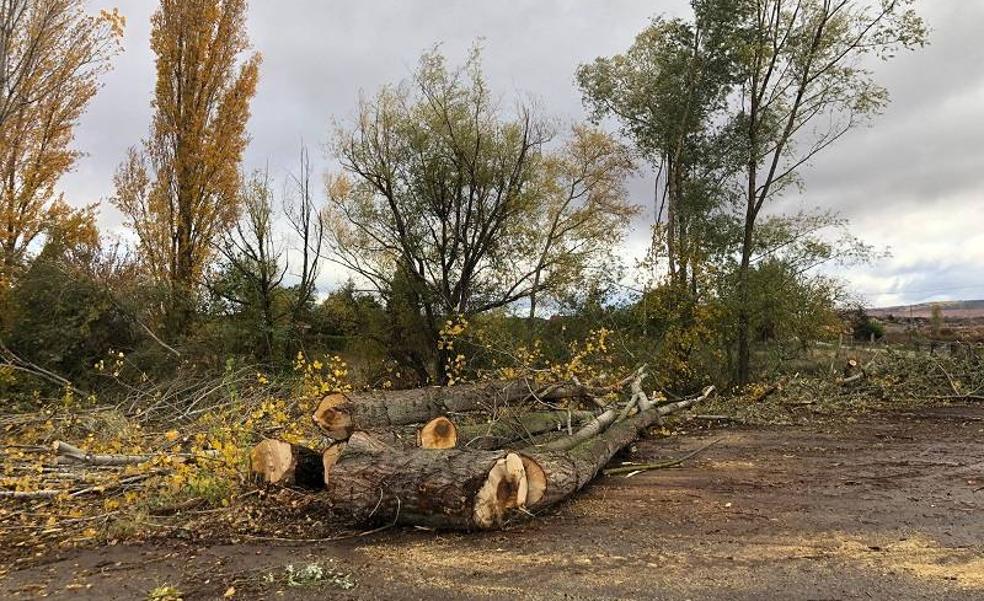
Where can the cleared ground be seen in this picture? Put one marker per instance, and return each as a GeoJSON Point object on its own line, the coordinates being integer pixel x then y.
{"type": "Point", "coordinates": [890, 506]}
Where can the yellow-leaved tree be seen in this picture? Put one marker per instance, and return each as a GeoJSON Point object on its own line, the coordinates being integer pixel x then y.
{"type": "Point", "coordinates": [180, 190]}
{"type": "Point", "coordinates": [52, 53]}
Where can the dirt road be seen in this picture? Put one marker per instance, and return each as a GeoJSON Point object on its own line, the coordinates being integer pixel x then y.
{"type": "Point", "coordinates": [890, 506]}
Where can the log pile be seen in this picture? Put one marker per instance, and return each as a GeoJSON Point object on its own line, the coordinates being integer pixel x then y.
{"type": "Point", "coordinates": [464, 457]}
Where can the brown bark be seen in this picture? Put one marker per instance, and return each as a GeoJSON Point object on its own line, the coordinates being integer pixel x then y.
{"type": "Point", "coordinates": [368, 481]}
{"type": "Point", "coordinates": [284, 464]}
{"type": "Point", "coordinates": [340, 415]}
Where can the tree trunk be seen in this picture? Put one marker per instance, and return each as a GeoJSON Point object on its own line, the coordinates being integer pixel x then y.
{"type": "Point", "coordinates": [744, 319]}
{"type": "Point", "coordinates": [340, 415]}
{"type": "Point", "coordinates": [284, 464]}
{"type": "Point", "coordinates": [368, 481]}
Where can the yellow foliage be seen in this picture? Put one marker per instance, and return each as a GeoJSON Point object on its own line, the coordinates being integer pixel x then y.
{"type": "Point", "coordinates": [50, 63]}
{"type": "Point", "coordinates": [181, 191]}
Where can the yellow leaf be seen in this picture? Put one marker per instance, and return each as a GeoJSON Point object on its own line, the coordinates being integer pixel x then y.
{"type": "Point", "coordinates": [230, 592]}
{"type": "Point", "coordinates": [171, 435]}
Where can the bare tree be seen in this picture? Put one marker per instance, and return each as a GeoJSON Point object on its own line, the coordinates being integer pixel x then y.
{"type": "Point", "coordinates": [254, 261]}
{"type": "Point", "coordinates": [308, 223]}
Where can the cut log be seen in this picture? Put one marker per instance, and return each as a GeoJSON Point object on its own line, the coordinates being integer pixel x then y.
{"type": "Point", "coordinates": [438, 433]}
{"type": "Point", "coordinates": [284, 464]}
{"type": "Point", "coordinates": [524, 426]}
{"type": "Point", "coordinates": [339, 415]}
{"type": "Point", "coordinates": [329, 457]}
{"type": "Point", "coordinates": [335, 423]}
{"type": "Point", "coordinates": [566, 471]}
{"type": "Point", "coordinates": [369, 481]}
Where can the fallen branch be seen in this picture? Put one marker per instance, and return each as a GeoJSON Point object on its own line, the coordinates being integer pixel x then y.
{"type": "Point", "coordinates": [642, 467]}
{"type": "Point", "coordinates": [73, 454]}
{"type": "Point", "coordinates": [49, 493]}
{"type": "Point", "coordinates": [508, 429]}
{"type": "Point", "coordinates": [563, 473]}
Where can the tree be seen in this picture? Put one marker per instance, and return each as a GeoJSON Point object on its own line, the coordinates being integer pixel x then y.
{"type": "Point", "coordinates": [667, 93]}
{"type": "Point", "coordinates": [52, 53]}
{"type": "Point", "coordinates": [253, 273]}
{"type": "Point", "coordinates": [463, 205]}
{"type": "Point", "coordinates": [308, 224]}
{"type": "Point", "coordinates": [61, 315]}
{"type": "Point", "coordinates": [936, 319]}
{"type": "Point", "coordinates": [803, 86]}
{"type": "Point", "coordinates": [581, 217]}
{"type": "Point", "coordinates": [180, 190]}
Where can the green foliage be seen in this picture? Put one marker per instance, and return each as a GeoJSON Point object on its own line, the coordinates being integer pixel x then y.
{"type": "Point", "coordinates": [466, 208]}
{"type": "Point", "coordinates": [61, 317]}
{"type": "Point", "coordinates": [864, 327]}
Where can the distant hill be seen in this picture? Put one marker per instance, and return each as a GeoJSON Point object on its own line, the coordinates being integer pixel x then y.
{"type": "Point", "coordinates": [964, 309]}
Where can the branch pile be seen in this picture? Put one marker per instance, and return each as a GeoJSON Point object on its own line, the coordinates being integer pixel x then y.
{"type": "Point", "coordinates": [72, 472]}
{"type": "Point", "coordinates": [463, 457]}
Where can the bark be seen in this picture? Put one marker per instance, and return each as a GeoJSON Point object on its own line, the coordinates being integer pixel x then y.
{"type": "Point", "coordinates": [368, 481]}
{"type": "Point", "coordinates": [340, 415]}
{"type": "Point", "coordinates": [744, 333]}
{"type": "Point", "coordinates": [284, 464]}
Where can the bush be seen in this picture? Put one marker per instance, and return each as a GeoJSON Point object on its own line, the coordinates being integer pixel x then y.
{"type": "Point", "coordinates": [864, 327]}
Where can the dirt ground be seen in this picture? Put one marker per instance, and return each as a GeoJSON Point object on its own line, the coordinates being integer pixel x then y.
{"type": "Point", "coordinates": [887, 506]}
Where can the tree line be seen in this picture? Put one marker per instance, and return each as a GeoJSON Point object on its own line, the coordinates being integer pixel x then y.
{"type": "Point", "coordinates": [477, 229]}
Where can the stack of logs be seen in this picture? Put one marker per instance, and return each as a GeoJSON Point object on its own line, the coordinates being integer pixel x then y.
{"type": "Point", "coordinates": [464, 457]}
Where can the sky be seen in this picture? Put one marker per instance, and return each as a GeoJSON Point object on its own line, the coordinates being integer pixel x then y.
{"type": "Point", "coordinates": [912, 183]}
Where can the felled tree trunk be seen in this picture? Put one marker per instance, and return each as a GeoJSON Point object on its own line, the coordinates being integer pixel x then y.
{"type": "Point", "coordinates": [339, 415]}
{"type": "Point", "coordinates": [554, 475]}
{"type": "Point", "coordinates": [509, 429]}
{"type": "Point", "coordinates": [284, 464]}
{"type": "Point", "coordinates": [371, 482]}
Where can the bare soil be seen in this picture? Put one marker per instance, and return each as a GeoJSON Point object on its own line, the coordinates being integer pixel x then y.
{"type": "Point", "coordinates": [884, 506]}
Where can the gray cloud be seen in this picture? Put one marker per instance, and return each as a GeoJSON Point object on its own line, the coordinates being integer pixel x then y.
{"type": "Point", "coordinates": [911, 182]}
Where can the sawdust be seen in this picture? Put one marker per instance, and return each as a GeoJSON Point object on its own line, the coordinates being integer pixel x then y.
{"type": "Point", "coordinates": [923, 558]}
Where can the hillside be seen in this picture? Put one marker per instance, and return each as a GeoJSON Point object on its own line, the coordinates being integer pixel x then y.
{"type": "Point", "coordinates": [964, 309]}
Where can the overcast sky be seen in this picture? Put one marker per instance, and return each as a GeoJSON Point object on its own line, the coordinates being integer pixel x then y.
{"type": "Point", "coordinates": [913, 182]}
